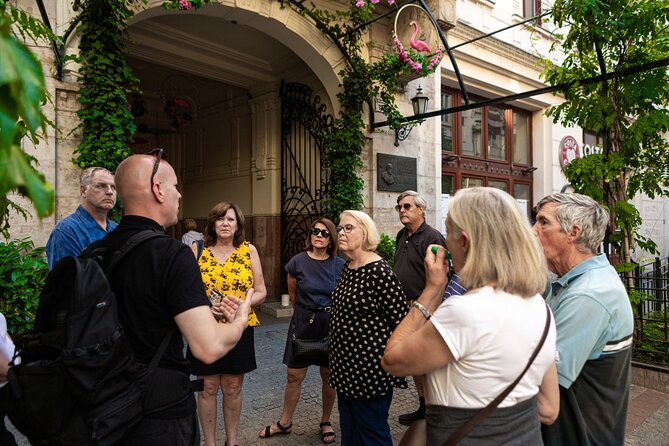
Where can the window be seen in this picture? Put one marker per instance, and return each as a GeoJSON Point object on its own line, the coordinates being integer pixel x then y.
{"type": "Point", "coordinates": [532, 8]}
{"type": "Point", "coordinates": [521, 138]}
{"type": "Point", "coordinates": [487, 146]}
{"type": "Point", "coordinates": [496, 138]}
{"type": "Point", "coordinates": [471, 132]}
{"type": "Point", "coordinates": [448, 184]}
{"type": "Point", "coordinates": [592, 139]}
{"type": "Point", "coordinates": [446, 123]}
{"type": "Point", "coordinates": [499, 184]}
{"type": "Point", "coordinates": [468, 182]}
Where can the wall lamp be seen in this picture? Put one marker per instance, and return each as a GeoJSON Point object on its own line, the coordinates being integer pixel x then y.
{"type": "Point", "coordinates": [529, 169]}
{"type": "Point", "coordinates": [419, 104]}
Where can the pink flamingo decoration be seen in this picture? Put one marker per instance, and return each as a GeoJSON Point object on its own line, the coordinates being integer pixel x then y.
{"type": "Point", "coordinates": [418, 45]}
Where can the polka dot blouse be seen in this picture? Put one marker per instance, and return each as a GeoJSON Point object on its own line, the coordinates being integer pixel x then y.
{"type": "Point", "coordinates": [368, 304]}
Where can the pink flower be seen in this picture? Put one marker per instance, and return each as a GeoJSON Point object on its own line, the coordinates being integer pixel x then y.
{"type": "Point", "coordinates": [360, 3]}
{"type": "Point", "coordinates": [374, 1]}
{"type": "Point", "coordinates": [184, 5]}
{"type": "Point", "coordinates": [391, 2]}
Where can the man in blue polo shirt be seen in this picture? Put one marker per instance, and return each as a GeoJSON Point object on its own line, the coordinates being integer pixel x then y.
{"type": "Point", "coordinates": [594, 323]}
{"type": "Point", "coordinates": [89, 222]}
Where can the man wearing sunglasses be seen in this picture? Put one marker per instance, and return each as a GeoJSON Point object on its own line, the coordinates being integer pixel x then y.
{"type": "Point", "coordinates": [160, 291]}
{"type": "Point", "coordinates": [411, 243]}
{"type": "Point", "coordinates": [89, 222]}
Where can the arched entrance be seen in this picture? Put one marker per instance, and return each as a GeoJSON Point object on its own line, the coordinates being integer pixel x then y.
{"type": "Point", "coordinates": [211, 85]}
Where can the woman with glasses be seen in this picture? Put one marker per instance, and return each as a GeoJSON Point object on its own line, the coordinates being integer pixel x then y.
{"type": "Point", "coordinates": [312, 275]}
{"type": "Point", "coordinates": [368, 303]}
{"type": "Point", "coordinates": [229, 266]}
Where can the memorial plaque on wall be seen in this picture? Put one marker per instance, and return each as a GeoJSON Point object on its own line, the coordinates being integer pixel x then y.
{"type": "Point", "coordinates": [395, 173]}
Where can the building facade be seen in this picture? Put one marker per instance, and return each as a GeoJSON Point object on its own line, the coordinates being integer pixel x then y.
{"type": "Point", "coordinates": [236, 91]}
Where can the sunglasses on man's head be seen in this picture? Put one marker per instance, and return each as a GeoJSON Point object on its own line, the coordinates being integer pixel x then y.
{"type": "Point", "coordinates": [159, 154]}
{"type": "Point", "coordinates": [322, 232]}
{"type": "Point", "coordinates": [406, 206]}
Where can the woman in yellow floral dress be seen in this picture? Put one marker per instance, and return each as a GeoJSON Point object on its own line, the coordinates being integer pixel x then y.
{"type": "Point", "coordinates": [230, 266]}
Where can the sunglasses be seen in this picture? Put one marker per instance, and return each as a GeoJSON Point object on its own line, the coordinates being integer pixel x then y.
{"type": "Point", "coordinates": [406, 206]}
{"type": "Point", "coordinates": [159, 154]}
{"type": "Point", "coordinates": [346, 228]}
{"type": "Point", "coordinates": [322, 232]}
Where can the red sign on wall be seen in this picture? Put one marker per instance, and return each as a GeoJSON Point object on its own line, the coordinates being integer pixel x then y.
{"type": "Point", "coordinates": [569, 150]}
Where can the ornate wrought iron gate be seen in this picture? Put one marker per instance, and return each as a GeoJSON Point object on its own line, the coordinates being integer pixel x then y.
{"type": "Point", "coordinates": [304, 178]}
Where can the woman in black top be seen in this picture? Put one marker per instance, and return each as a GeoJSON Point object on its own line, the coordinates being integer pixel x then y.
{"type": "Point", "coordinates": [368, 303]}
{"type": "Point", "coordinates": [312, 275]}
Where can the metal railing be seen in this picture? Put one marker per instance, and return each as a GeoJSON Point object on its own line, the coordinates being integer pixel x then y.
{"type": "Point", "coordinates": [651, 318]}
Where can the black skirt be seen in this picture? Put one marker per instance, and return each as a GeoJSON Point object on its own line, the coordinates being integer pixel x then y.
{"type": "Point", "coordinates": [300, 321]}
{"type": "Point", "coordinates": [241, 359]}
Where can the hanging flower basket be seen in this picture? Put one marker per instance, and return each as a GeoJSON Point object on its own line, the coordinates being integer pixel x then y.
{"type": "Point", "coordinates": [417, 56]}
{"type": "Point", "coordinates": [184, 5]}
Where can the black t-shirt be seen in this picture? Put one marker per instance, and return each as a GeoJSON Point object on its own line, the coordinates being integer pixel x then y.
{"type": "Point", "coordinates": [156, 281]}
{"type": "Point", "coordinates": [410, 255]}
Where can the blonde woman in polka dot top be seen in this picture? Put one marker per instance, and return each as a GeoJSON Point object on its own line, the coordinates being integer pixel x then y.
{"type": "Point", "coordinates": [368, 303]}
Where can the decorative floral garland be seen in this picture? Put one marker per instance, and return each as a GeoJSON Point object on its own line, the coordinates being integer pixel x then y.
{"type": "Point", "coordinates": [417, 61]}
{"type": "Point", "coordinates": [184, 5]}
{"type": "Point", "coordinates": [361, 3]}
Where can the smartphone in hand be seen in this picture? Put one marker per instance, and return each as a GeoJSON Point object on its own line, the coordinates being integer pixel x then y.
{"type": "Point", "coordinates": [215, 297]}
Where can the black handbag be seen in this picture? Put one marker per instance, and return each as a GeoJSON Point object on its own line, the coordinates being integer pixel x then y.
{"type": "Point", "coordinates": [315, 350]}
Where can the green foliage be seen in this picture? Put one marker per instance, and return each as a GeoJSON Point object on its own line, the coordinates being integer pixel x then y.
{"type": "Point", "coordinates": [22, 93]}
{"type": "Point", "coordinates": [650, 343]}
{"type": "Point", "coordinates": [23, 270]}
{"type": "Point", "coordinates": [386, 248]}
{"type": "Point", "coordinates": [631, 112]}
{"type": "Point", "coordinates": [106, 122]}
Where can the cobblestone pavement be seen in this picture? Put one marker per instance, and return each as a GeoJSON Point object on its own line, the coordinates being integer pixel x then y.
{"type": "Point", "coordinates": [647, 423]}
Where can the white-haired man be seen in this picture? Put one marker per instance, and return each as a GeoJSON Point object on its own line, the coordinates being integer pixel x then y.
{"type": "Point", "coordinates": [594, 323]}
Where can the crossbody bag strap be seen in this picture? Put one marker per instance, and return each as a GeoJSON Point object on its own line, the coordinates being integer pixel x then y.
{"type": "Point", "coordinates": [474, 421]}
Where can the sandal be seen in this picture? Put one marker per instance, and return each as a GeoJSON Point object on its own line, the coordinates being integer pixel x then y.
{"type": "Point", "coordinates": [282, 430]}
{"type": "Point", "coordinates": [327, 437]}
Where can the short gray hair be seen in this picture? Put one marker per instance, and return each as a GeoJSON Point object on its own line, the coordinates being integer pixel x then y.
{"type": "Point", "coordinates": [580, 210]}
{"type": "Point", "coordinates": [417, 199]}
{"type": "Point", "coordinates": [87, 174]}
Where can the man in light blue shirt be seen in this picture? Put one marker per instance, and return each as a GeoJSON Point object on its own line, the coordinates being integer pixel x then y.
{"type": "Point", "coordinates": [594, 323]}
{"type": "Point", "coordinates": [89, 222]}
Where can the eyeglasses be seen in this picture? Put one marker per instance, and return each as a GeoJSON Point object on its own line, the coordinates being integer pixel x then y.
{"type": "Point", "coordinates": [346, 228]}
{"type": "Point", "coordinates": [322, 232]}
{"type": "Point", "coordinates": [158, 153]}
{"type": "Point", "coordinates": [406, 206]}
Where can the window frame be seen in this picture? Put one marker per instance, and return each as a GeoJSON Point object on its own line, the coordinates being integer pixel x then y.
{"type": "Point", "coordinates": [460, 166]}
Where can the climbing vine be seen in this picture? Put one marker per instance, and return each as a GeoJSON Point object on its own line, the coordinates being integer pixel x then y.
{"type": "Point", "coordinates": [107, 124]}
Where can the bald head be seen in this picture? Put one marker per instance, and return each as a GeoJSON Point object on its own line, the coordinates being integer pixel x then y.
{"type": "Point", "coordinates": [158, 200]}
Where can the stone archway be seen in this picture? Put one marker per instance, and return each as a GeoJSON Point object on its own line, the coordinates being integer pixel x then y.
{"type": "Point", "coordinates": [229, 61]}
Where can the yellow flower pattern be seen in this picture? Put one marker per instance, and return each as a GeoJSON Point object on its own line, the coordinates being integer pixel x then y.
{"type": "Point", "coordinates": [234, 277]}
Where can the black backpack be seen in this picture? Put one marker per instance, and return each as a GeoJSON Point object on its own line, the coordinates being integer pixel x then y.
{"type": "Point", "coordinates": [78, 382]}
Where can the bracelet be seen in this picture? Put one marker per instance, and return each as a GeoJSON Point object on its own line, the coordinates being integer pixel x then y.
{"type": "Point", "coordinates": [417, 305]}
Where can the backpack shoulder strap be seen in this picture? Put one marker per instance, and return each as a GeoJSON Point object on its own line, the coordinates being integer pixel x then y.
{"type": "Point", "coordinates": [129, 245]}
